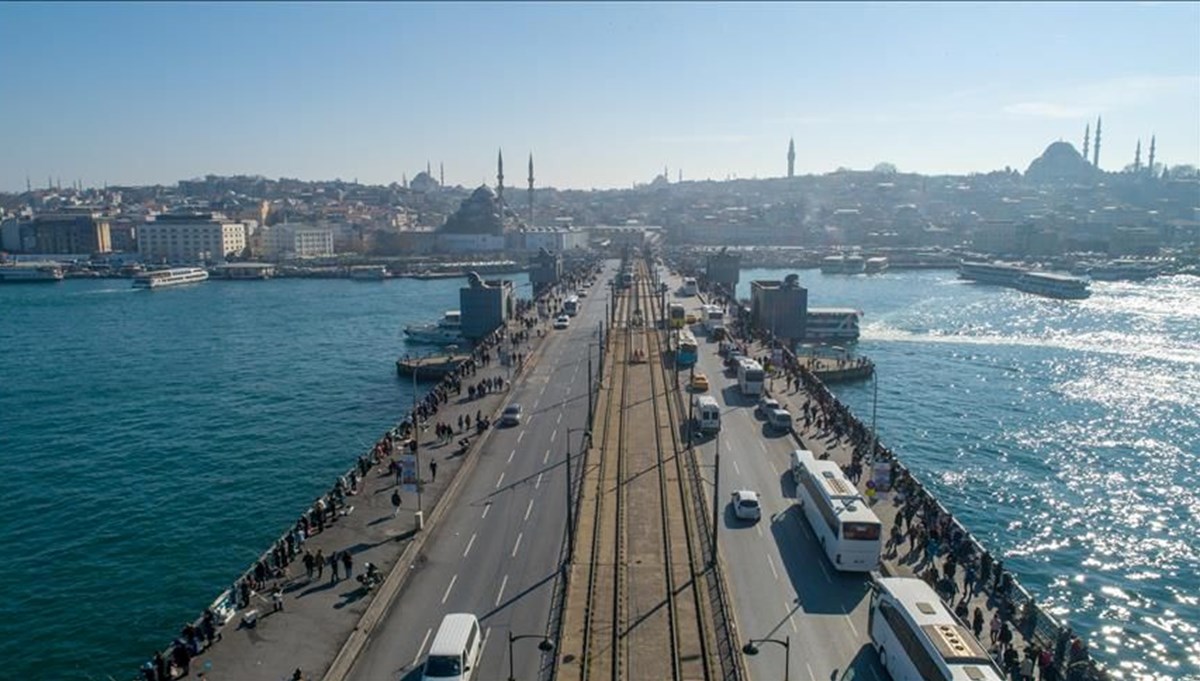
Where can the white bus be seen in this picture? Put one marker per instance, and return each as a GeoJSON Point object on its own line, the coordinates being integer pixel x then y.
{"type": "Point", "coordinates": [689, 286]}
{"type": "Point", "coordinates": [750, 377]}
{"type": "Point", "coordinates": [714, 316]}
{"type": "Point", "coordinates": [918, 639]}
{"type": "Point", "coordinates": [571, 306]}
{"type": "Point", "coordinates": [849, 531]}
{"type": "Point", "coordinates": [707, 413]}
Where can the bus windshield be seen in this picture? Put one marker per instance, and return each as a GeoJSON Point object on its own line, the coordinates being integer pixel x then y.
{"type": "Point", "coordinates": [860, 531]}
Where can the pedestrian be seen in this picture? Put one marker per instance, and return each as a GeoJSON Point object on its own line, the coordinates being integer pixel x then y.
{"type": "Point", "coordinates": [977, 622]}
{"type": "Point", "coordinates": [348, 563]}
{"type": "Point", "coordinates": [319, 562]}
{"type": "Point", "coordinates": [277, 599]}
{"type": "Point", "coordinates": [994, 627]}
{"type": "Point", "coordinates": [333, 567]}
{"type": "Point", "coordinates": [1006, 636]}
{"type": "Point", "coordinates": [308, 563]}
{"type": "Point", "coordinates": [396, 501]}
{"type": "Point", "coordinates": [433, 470]}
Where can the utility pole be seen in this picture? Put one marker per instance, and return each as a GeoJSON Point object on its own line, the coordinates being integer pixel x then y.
{"type": "Point", "coordinates": [716, 509]}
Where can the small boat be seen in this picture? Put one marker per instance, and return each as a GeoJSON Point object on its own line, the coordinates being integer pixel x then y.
{"type": "Point", "coordinates": [368, 273]}
{"type": "Point", "coordinates": [444, 332]}
{"type": "Point", "coordinates": [174, 276]}
{"type": "Point", "coordinates": [877, 265]}
{"type": "Point", "coordinates": [24, 273]}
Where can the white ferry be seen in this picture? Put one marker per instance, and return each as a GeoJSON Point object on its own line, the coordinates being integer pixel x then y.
{"type": "Point", "coordinates": [175, 276]}
{"type": "Point", "coordinates": [445, 332]}
{"type": "Point", "coordinates": [1000, 273]}
{"type": "Point", "coordinates": [854, 264]}
{"type": "Point", "coordinates": [877, 265]}
{"type": "Point", "coordinates": [20, 273]}
{"type": "Point", "coordinates": [1053, 285]}
{"type": "Point", "coordinates": [831, 324]}
{"type": "Point", "coordinates": [832, 264]}
{"type": "Point", "coordinates": [368, 273]}
{"type": "Point", "coordinates": [1124, 270]}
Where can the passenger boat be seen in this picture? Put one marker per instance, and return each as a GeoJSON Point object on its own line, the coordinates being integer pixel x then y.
{"type": "Point", "coordinates": [1000, 273]}
{"type": "Point", "coordinates": [832, 264]}
{"type": "Point", "coordinates": [877, 265]}
{"type": "Point", "coordinates": [824, 324]}
{"type": "Point", "coordinates": [1051, 285]}
{"type": "Point", "coordinates": [1123, 270]}
{"type": "Point", "coordinates": [175, 276]}
{"type": "Point", "coordinates": [23, 273]}
{"type": "Point", "coordinates": [445, 332]}
{"type": "Point", "coordinates": [368, 273]}
{"type": "Point", "coordinates": [854, 264]}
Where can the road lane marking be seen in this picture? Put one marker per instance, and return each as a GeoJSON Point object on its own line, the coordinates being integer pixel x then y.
{"type": "Point", "coordinates": [554, 435]}
{"type": "Point", "coordinates": [520, 437]}
{"type": "Point", "coordinates": [773, 467]}
{"type": "Point", "coordinates": [559, 418]}
{"type": "Point", "coordinates": [511, 455]}
{"type": "Point", "coordinates": [485, 510]}
{"type": "Point", "coordinates": [529, 509]}
{"type": "Point", "coordinates": [517, 546]}
{"type": "Point", "coordinates": [500, 595]}
{"type": "Point", "coordinates": [421, 648]}
{"type": "Point", "coordinates": [792, 622]}
{"type": "Point", "coordinates": [770, 564]}
{"type": "Point", "coordinates": [828, 577]}
{"type": "Point", "coordinates": [811, 675]}
{"type": "Point", "coordinates": [539, 482]}
{"type": "Point", "coordinates": [852, 627]}
{"type": "Point", "coordinates": [469, 544]}
{"type": "Point", "coordinates": [500, 480]}
{"type": "Point", "coordinates": [736, 468]}
{"type": "Point", "coordinates": [758, 528]}
{"type": "Point", "coordinates": [448, 588]}
{"type": "Point", "coordinates": [546, 458]}
{"type": "Point", "coordinates": [763, 445]}
{"type": "Point", "coordinates": [487, 636]}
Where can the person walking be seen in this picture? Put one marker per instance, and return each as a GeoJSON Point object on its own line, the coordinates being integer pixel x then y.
{"type": "Point", "coordinates": [396, 501]}
{"type": "Point", "coordinates": [333, 567]}
{"type": "Point", "coordinates": [977, 622]}
{"type": "Point", "coordinates": [348, 563]}
{"type": "Point", "coordinates": [308, 563]}
{"type": "Point", "coordinates": [994, 627]}
{"type": "Point", "coordinates": [319, 562]}
{"type": "Point", "coordinates": [433, 470]}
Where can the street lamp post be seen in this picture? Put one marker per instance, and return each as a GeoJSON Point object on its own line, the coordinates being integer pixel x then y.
{"type": "Point", "coordinates": [570, 510]}
{"type": "Point", "coordinates": [420, 516]}
{"type": "Point", "coordinates": [751, 648]}
{"type": "Point", "coordinates": [545, 646]}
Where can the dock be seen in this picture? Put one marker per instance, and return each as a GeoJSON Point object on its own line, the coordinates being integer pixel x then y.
{"type": "Point", "coordinates": [433, 367]}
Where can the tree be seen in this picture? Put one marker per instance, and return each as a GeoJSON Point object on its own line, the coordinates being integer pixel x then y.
{"type": "Point", "coordinates": [1186, 171]}
{"type": "Point", "coordinates": [884, 168]}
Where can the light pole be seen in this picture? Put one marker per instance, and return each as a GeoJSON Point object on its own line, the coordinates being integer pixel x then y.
{"type": "Point", "coordinates": [874, 408]}
{"type": "Point", "coordinates": [751, 648]}
{"type": "Point", "coordinates": [570, 511]}
{"type": "Point", "coordinates": [545, 646]}
{"type": "Point", "coordinates": [420, 516]}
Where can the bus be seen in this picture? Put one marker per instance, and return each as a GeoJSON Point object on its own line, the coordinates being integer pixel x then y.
{"type": "Point", "coordinates": [707, 413]}
{"type": "Point", "coordinates": [918, 639]}
{"type": "Point", "coordinates": [689, 286]}
{"type": "Point", "coordinates": [571, 306]}
{"type": "Point", "coordinates": [626, 280]}
{"type": "Point", "coordinates": [714, 316]}
{"type": "Point", "coordinates": [849, 531]}
{"type": "Point", "coordinates": [686, 349]}
{"type": "Point", "coordinates": [676, 313]}
{"type": "Point", "coordinates": [750, 377]}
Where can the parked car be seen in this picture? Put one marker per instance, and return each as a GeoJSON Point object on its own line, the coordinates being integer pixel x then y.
{"type": "Point", "coordinates": [746, 506]}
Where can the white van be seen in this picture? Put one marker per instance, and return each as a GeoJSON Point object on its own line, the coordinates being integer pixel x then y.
{"type": "Point", "coordinates": [799, 457]}
{"type": "Point", "coordinates": [707, 413]}
{"type": "Point", "coordinates": [454, 653]}
{"type": "Point", "coordinates": [780, 419]}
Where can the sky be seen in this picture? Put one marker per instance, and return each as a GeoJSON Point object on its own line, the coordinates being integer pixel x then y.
{"type": "Point", "coordinates": [602, 94]}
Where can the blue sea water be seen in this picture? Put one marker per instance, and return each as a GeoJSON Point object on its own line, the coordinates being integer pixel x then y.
{"type": "Point", "coordinates": [153, 443]}
{"type": "Point", "coordinates": [1065, 435]}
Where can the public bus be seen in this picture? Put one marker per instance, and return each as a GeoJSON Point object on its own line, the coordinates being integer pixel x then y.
{"type": "Point", "coordinates": [571, 306]}
{"type": "Point", "coordinates": [918, 639]}
{"type": "Point", "coordinates": [849, 531]}
{"type": "Point", "coordinates": [750, 377]}
{"type": "Point", "coordinates": [686, 349]}
{"type": "Point", "coordinates": [689, 286]}
{"type": "Point", "coordinates": [677, 313]}
{"type": "Point", "coordinates": [714, 316]}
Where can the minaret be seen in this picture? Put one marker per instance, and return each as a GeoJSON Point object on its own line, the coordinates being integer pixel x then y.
{"type": "Point", "coordinates": [442, 173]}
{"type": "Point", "coordinates": [1096, 148]}
{"type": "Point", "coordinates": [792, 157]}
{"type": "Point", "coordinates": [1150, 164]}
{"type": "Point", "coordinates": [404, 180]}
{"type": "Point", "coordinates": [500, 176]}
{"type": "Point", "coordinates": [1087, 137]}
{"type": "Point", "coordinates": [531, 189]}
{"type": "Point", "coordinates": [1137, 157]}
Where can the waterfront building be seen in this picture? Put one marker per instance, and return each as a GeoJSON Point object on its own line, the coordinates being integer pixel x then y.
{"type": "Point", "coordinates": [190, 238]}
{"type": "Point", "coordinates": [245, 270]}
{"type": "Point", "coordinates": [545, 269]}
{"type": "Point", "coordinates": [295, 241]}
{"type": "Point", "coordinates": [554, 239]}
{"type": "Point", "coordinates": [485, 305]}
{"type": "Point", "coordinates": [780, 307]}
{"type": "Point", "coordinates": [71, 231]}
{"type": "Point", "coordinates": [724, 269]}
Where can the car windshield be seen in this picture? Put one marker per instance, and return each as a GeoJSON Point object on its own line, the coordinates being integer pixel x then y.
{"type": "Point", "coordinates": [439, 666]}
{"type": "Point", "coordinates": [749, 503]}
{"type": "Point", "coordinates": [513, 409]}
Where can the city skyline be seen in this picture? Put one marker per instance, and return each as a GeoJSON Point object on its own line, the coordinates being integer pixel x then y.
{"type": "Point", "coordinates": [604, 95]}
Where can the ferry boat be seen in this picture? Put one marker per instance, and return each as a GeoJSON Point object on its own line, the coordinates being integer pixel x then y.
{"type": "Point", "coordinates": [368, 273]}
{"type": "Point", "coordinates": [448, 331]}
{"type": "Point", "coordinates": [824, 324]}
{"type": "Point", "coordinates": [1051, 285]}
{"type": "Point", "coordinates": [877, 265]}
{"type": "Point", "coordinates": [854, 264]}
{"type": "Point", "coordinates": [832, 264]}
{"type": "Point", "coordinates": [38, 272]}
{"type": "Point", "coordinates": [1000, 273]}
{"type": "Point", "coordinates": [1123, 270]}
{"type": "Point", "coordinates": [175, 276]}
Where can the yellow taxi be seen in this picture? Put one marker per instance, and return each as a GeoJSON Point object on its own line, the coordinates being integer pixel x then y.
{"type": "Point", "coordinates": [691, 318]}
{"type": "Point", "coordinates": [699, 383]}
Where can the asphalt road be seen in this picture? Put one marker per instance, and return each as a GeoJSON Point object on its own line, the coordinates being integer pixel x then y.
{"type": "Point", "coordinates": [782, 585]}
{"type": "Point", "coordinates": [497, 552]}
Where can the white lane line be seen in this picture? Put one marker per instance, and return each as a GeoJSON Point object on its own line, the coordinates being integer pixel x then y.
{"type": "Point", "coordinates": [828, 577]}
{"type": "Point", "coordinates": [528, 509]}
{"type": "Point", "coordinates": [539, 482]}
{"type": "Point", "coordinates": [559, 418]}
{"type": "Point", "coordinates": [536, 403]}
{"type": "Point", "coordinates": [543, 392]}
{"type": "Point", "coordinates": [487, 636]}
{"type": "Point", "coordinates": [448, 588]}
{"type": "Point", "coordinates": [771, 564]}
{"type": "Point", "coordinates": [469, 545]}
{"type": "Point", "coordinates": [811, 675]}
{"type": "Point", "coordinates": [792, 622]}
{"type": "Point", "coordinates": [421, 648]}
{"type": "Point", "coordinates": [546, 458]}
{"type": "Point", "coordinates": [852, 627]}
{"type": "Point", "coordinates": [763, 445]}
{"type": "Point", "coordinates": [773, 467]}
{"type": "Point", "coordinates": [736, 468]}
{"type": "Point", "coordinates": [520, 437]}
{"type": "Point", "coordinates": [485, 510]}
{"type": "Point", "coordinates": [517, 546]}
{"type": "Point", "coordinates": [511, 455]}
{"type": "Point", "coordinates": [554, 435]}
{"type": "Point", "coordinates": [500, 480]}
{"type": "Point", "coordinates": [758, 527]}
{"type": "Point", "coordinates": [500, 595]}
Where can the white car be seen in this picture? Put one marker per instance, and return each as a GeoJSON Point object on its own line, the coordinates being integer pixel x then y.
{"type": "Point", "coordinates": [562, 322]}
{"type": "Point", "coordinates": [745, 505]}
{"type": "Point", "coordinates": [767, 405]}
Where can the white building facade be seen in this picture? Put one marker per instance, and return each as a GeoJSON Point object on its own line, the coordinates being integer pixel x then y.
{"type": "Point", "coordinates": [181, 239]}
{"type": "Point", "coordinates": [297, 241]}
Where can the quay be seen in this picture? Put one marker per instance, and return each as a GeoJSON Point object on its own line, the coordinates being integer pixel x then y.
{"type": "Point", "coordinates": [431, 367]}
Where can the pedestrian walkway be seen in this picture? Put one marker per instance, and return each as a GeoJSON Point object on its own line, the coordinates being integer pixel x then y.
{"type": "Point", "coordinates": [290, 617]}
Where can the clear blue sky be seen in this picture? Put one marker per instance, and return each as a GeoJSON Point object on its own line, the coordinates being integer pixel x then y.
{"type": "Point", "coordinates": [604, 95]}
